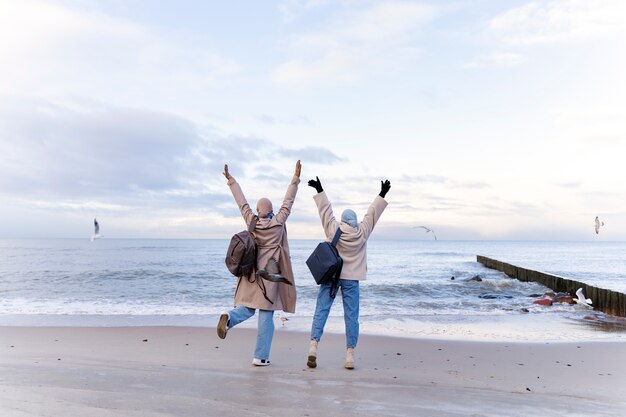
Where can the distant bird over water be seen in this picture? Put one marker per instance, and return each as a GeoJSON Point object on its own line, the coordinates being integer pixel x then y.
{"type": "Point", "coordinates": [96, 230]}
{"type": "Point", "coordinates": [427, 230]}
{"type": "Point", "coordinates": [580, 298]}
{"type": "Point", "coordinates": [598, 224]}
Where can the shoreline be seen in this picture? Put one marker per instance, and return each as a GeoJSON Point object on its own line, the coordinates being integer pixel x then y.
{"type": "Point", "coordinates": [189, 371]}
{"type": "Point", "coordinates": [530, 327]}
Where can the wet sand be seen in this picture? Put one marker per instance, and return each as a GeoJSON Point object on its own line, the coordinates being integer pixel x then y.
{"type": "Point", "coordinates": [188, 371]}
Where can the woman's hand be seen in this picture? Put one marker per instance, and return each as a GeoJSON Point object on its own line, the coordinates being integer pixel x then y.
{"type": "Point", "coordinates": [317, 184]}
{"type": "Point", "coordinates": [226, 173]}
{"type": "Point", "coordinates": [298, 169]}
{"type": "Point", "coordinates": [384, 188]}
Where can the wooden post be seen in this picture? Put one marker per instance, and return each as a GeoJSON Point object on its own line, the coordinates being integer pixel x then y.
{"type": "Point", "coordinates": [607, 301]}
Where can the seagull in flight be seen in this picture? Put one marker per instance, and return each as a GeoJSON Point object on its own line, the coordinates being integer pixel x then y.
{"type": "Point", "coordinates": [96, 230]}
{"type": "Point", "coordinates": [598, 224]}
{"type": "Point", "coordinates": [580, 298]}
{"type": "Point", "coordinates": [427, 230]}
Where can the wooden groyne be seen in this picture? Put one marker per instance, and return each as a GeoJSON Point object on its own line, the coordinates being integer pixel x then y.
{"type": "Point", "coordinates": [607, 301]}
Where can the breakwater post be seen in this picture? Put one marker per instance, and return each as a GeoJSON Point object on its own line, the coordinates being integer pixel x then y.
{"type": "Point", "coordinates": [607, 301]}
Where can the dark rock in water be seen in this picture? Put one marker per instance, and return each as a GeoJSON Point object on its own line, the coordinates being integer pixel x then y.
{"type": "Point", "coordinates": [452, 278]}
{"type": "Point", "coordinates": [525, 310]}
{"type": "Point", "coordinates": [476, 278]}
{"type": "Point", "coordinates": [563, 298]}
{"type": "Point", "coordinates": [488, 296]}
{"type": "Point", "coordinates": [550, 298]}
{"type": "Point", "coordinates": [536, 295]}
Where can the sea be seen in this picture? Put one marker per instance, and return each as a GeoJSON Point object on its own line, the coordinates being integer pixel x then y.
{"type": "Point", "coordinates": [413, 288]}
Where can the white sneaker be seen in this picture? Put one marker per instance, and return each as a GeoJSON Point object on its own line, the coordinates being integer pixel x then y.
{"type": "Point", "coordinates": [260, 362]}
{"type": "Point", "coordinates": [312, 358]}
{"type": "Point", "coordinates": [349, 359]}
{"type": "Point", "coordinates": [222, 325]}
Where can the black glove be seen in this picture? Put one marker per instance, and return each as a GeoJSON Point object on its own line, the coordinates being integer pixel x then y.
{"type": "Point", "coordinates": [384, 188]}
{"type": "Point", "coordinates": [316, 184]}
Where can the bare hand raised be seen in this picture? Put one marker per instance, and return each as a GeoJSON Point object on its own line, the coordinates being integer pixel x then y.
{"type": "Point", "coordinates": [298, 169]}
{"type": "Point", "coordinates": [226, 173]}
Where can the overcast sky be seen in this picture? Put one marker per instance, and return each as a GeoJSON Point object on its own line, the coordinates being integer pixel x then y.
{"type": "Point", "coordinates": [491, 119]}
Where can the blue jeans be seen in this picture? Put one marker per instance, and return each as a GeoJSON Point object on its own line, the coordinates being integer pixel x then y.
{"type": "Point", "coordinates": [265, 330]}
{"type": "Point", "coordinates": [350, 298]}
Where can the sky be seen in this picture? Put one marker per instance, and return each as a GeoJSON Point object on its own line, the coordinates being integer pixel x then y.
{"type": "Point", "coordinates": [499, 120]}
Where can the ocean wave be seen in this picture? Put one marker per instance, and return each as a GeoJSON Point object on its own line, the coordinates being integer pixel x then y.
{"type": "Point", "coordinates": [189, 277]}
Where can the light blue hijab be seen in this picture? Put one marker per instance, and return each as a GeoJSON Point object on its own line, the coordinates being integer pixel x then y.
{"type": "Point", "coordinates": [349, 217]}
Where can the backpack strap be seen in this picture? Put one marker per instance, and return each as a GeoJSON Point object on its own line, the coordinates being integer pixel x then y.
{"type": "Point", "coordinates": [252, 224]}
{"type": "Point", "coordinates": [336, 237]}
{"type": "Point", "coordinates": [335, 286]}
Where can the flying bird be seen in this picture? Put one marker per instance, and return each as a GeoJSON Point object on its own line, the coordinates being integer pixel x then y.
{"type": "Point", "coordinates": [427, 230]}
{"type": "Point", "coordinates": [580, 298]}
{"type": "Point", "coordinates": [598, 224]}
{"type": "Point", "coordinates": [96, 230]}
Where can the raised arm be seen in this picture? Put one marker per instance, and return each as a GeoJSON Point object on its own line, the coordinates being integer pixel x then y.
{"type": "Point", "coordinates": [375, 209]}
{"type": "Point", "coordinates": [240, 199]}
{"type": "Point", "coordinates": [290, 195]}
{"type": "Point", "coordinates": [325, 209]}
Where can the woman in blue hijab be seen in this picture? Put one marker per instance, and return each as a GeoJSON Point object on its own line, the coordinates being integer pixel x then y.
{"type": "Point", "coordinates": [352, 247]}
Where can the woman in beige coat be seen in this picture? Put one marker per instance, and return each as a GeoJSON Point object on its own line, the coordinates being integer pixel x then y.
{"type": "Point", "coordinates": [254, 292]}
{"type": "Point", "coordinates": [352, 247]}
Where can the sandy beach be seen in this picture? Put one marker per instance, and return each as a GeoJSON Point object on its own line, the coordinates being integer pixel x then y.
{"type": "Point", "coordinates": [188, 371]}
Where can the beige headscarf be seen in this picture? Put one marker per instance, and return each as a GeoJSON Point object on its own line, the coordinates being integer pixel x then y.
{"type": "Point", "coordinates": [264, 208]}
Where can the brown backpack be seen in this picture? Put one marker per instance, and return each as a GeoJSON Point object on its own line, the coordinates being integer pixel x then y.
{"type": "Point", "coordinates": [242, 251]}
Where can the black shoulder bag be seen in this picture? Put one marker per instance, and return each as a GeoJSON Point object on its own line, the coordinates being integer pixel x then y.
{"type": "Point", "coordinates": [325, 263]}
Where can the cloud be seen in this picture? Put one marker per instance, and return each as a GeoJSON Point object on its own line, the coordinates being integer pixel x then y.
{"type": "Point", "coordinates": [298, 120]}
{"type": "Point", "coordinates": [559, 21]}
{"type": "Point", "coordinates": [382, 36]}
{"type": "Point", "coordinates": [441, 180]}
{"type": "Point", "coordinates": [569, 184]}
{"type": "Point", "coordinates": [390, 230]}
{"type": "Point", "coordinates": [49, 48]}
{"type": "Point", "coordinates": [54, 149]}
{"type": "Point", "coordinates": [497, 60]}
{"type": "Point", "coordinates": [602, 122]}
{"type": "Point", "coordinates": [312, 154]}
{"type": "Point", "coordinates": [290, 10]}
{"type": "Point", "coordinates": [66, 155]}
{"type": "Point", "coordinates": [437, 179]}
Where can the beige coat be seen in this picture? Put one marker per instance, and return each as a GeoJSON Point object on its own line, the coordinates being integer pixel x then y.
{"type": "Point", "coordinates": [271, 237]}
{"type": "Point", "coordinates": [352, 245]}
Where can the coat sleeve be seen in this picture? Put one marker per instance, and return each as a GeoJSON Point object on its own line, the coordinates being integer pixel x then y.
{"type": "Point", "coordinates": [240, 199]}
{"type": "Point", "coordinates": [373, 214]}
{"type": "Point", "coordinates": [329, 223]}
{"type": "Point", "coordinates": [290, 197]}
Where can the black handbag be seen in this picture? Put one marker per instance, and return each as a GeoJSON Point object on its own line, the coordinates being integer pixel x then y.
{"type": "Point", "coordinates": [325, 263]}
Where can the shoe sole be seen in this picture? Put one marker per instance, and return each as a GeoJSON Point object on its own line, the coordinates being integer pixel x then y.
{"type": "Point", "coordinates": [261, 364]}
{"type": "Point", "coordinates": [221, 326]}
{"type": "Point", "coordinates": [311, 361]}
{"type": "Point", "coordinates": [349, 365]}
